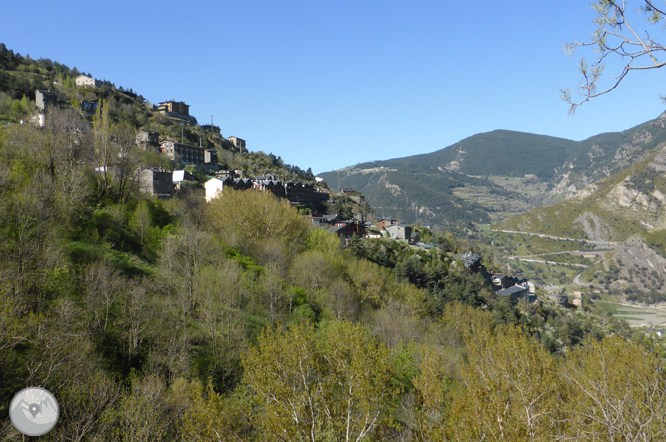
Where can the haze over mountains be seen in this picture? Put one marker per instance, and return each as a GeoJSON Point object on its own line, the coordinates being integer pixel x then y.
{"type": "Point", "coordinates": [490, 176]}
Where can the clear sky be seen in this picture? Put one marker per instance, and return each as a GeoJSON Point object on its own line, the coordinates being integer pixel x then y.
{"type": "Point", "coordinates": [330, 83]}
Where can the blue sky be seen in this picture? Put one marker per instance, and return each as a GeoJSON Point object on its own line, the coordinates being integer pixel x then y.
{"type": "Point", "coordinates": [327, 84]}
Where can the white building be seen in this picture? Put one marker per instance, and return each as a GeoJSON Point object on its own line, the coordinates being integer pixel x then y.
{"type": "Point", "coordinates": [82, 81]}
{"type": "Point", "coordinates": [214, 188]}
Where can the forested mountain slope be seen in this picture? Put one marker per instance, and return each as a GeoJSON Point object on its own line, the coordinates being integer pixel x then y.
{"type": "Point", "coordinates": [176, 319]}
{"type": "Point", "coordinates": [499, 173]}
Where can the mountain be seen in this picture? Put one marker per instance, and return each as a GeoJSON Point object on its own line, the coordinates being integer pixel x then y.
{"type": "Point", "coordinates": [493, 175]}
{"type": "Point", "coordinates": [627, 211]}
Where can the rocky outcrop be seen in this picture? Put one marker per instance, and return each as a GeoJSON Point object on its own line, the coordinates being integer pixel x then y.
{"type": "Point", "coordinates": [593, 226]}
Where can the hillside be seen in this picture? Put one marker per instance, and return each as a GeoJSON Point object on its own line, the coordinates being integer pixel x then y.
{"type": "Point", "coordinates": [169, 319]}
{"type": "Point", "coordinates": [626, 213]}
{"type": "Point", "coordinates": [501, 173]}
{"type": "Point", "coordinates": [21, 75]}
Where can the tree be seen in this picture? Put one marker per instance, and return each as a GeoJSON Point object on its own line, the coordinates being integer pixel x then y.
{"type": "Point", "coordinates": [102, 147]}
{"type": "Point", "coordinates": [336, 385]}
{"type": "Point", "coordinates": [617, 38]}
{"type": "Point", "coordinates": [509, 390]}
{"type": "Point", "coordinates": [183, 258]}
{"type": "Point", "coordinates": [248, 218]}
{"type": "Point", "coordinates": [618, 392]}
{"type": "Point", "coordinates": [210, 417]}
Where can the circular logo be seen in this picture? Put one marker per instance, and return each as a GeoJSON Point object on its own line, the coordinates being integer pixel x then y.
{"type": "Point", "coordinates": [34, 411]}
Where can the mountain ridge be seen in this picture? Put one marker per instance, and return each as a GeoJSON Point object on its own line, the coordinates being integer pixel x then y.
{"type": "Point", "coordinates": [539, 170]}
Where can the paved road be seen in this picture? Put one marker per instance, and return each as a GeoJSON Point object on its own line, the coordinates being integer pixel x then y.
{"type": "Point", "coordinates": [515, 258]}
{"type": "Point", "coordinates": [577, 280]}
{"type": "Point", "coordinates": [541, 235]}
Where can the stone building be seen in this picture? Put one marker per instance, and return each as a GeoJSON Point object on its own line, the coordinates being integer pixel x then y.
{"type": "Point", "coordinates": [44, 98]}
{"type": "Point", "coordinates": [148, 141]}
{"type": "Point", "coordinates": [238, 143]}
{"type": "Point", "coordinates": [188, 154]}
{"type": "Point", "coordinates": [400, 231]}
{"type": "Point", "coordinates": [156, 181]}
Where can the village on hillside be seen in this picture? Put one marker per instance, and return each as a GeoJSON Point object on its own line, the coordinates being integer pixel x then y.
{"type": "Point", "coordinates": [213, 180]}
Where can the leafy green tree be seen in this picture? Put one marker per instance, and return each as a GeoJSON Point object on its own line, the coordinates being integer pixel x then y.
{"type": "Point", "coordinates": [211, 417]}
{"type": "Point", "coordinates": [248, 218]}
{"type": "Point", "coordinates": [335, 385]}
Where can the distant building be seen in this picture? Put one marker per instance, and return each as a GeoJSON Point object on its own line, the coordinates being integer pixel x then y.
{"type": "Point", "coordinates": [155, 181]}
{"type": "Point", "coordinates": [89, 106]}
{"type": "Point", "coordinates": [242, 184]}
{"type": "Point", "coordinates": [83, 81]}
{"type": "Point", "coordinates": [516, 292]}
{"type": "Point", "coordinates": [214, 188]}
{"type": "Point", "coordinates": [268, 183]}
{"type": "Point", "coordinates": [471, 260]}
{"type": "Point", "coordinates": [316, 218]}
{"type": "Point", "coordinates": [188, 154]}
{"type": "Point", "coordinates": [346, 230]}
{"type": "Point", "coordinates": [44, 98]}
{"type": "Point", "coordinates": [148, 141]}
{"type": "Point", "coordinates": [503, 281]}
{"type": "Point", "coordinates": [297, 193]}
{"type": "Point", "coordinates": [383, 223]}
{"type": "Point", "coordinates": [304, 194]}
{"type": "Point", "coordinates": [210, 160]}
{"type": "Point", "coordinates": [175, 107]}
{"type": "Point", "coordinates": [238, 143]}
{"type": "Point", "coordinates": [400, 231]}
{"type": "Point", "coordinates": [179, 176]}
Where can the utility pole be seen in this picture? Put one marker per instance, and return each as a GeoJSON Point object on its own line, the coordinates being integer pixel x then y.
{"type": "Point", "coordinates": [182, 129]}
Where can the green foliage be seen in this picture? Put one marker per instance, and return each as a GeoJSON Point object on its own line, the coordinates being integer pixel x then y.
{"type": "Point", "coordinates": [161, 320]}
{"type": "Point", "coordinates": [335, 384]}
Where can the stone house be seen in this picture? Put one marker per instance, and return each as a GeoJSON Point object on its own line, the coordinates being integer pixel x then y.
{"type": "Point", "coordinates": [155, 181]}
{"type": "Point", "coordinates": [179, 176]}
{"type": "Point", "coordinates": [517, 292]}
{"type": "Point", "coordinates": [148, 141]}
{"type": "Point", "coordinates": [188, 154]}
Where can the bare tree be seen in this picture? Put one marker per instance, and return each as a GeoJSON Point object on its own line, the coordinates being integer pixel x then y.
{"type": "Point", "coordinates": [183, 257]}
{"type": "Point", "coordinates": [617, 37]}
{"type": "Point", "coordinates": [271, 291]}
{"type": "Point", "coordinates": [102, 286]}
